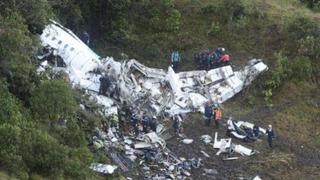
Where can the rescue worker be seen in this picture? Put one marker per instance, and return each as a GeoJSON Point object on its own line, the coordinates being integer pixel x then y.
{"type": "Point", "coordinates": [175, 60]}
{"type": "Point", "coordinates": [197, 60]}
{"type": "Point", "coordinates": [207, 60]}
{"type": "Point", "coordinates": [145, 122]}
{"type": "Point", "coordinates": [177, 123]}
{"type": "Point", "coordinates": [217, 116]}
{"type": "Point", "coordinates": [208, 114]}
{"type": "Point", "coordinates": [271, 135]}
{"type": "Point", "coordinates": [86, 38]}
{"type": "Point", "coordinates": [256, 131]}
{"type": "Point", "coordinates": [134, 123]}
{"type": "Point", "coordinates": [218, 53]}
{"type": "Point", "coordinates": [104, 84]}
{"type": "Point", "coordinates": [225, 59]}
{"type": "Point", "coordinates": [153, 124]}
{"type": "Point", "coordinates": [215, 56]}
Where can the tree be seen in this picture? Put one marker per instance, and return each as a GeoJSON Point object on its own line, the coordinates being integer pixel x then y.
{"type": "Point", "coordinates": [9, 106]}
{"type": "Point", "coordinates": [35, 12]}
{"type": "Point", "coordinates": [52, 100]}
{"type": "Point", "coordinates": [16, 51]}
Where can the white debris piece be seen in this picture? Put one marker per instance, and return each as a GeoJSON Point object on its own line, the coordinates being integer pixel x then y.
{"type": "Point", "coordinates": [243, 150]}
{"type": "Point", "coordinates": [153, 138]}
{"type": "Point", "coordinates": [206, 139]}
{"type": "Point", "coordinates": [205, 154]}
{"type": "Point", "coordinates": [142, 145]}
{"type": "Point", "coordinates": [103, 168]}
{"type": "Point", "coordinates": [257, 178]}
{"type": "Point", "coordinates": [187, 141]}
{"type": "Point", "coordinates": [231, 158]}
{"type": "Point", "coordinates": [141, 86]}
{"type": "Point", "coordinates": [225, 145]}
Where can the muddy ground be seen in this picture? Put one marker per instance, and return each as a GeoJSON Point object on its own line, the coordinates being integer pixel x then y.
{"type": "Point", "coordinates": [287, 160]}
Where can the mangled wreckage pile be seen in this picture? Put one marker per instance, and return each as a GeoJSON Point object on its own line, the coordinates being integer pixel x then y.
{"type": "Point", "coordinates": [160, 92]}
{"type": "Point", "coordinates": [140, 86]}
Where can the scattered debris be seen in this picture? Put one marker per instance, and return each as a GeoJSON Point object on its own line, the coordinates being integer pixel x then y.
{"type": "Point", "coordinates": [103, 168]}
{"type": "Point", "coordinates": [244, 130]}
{"type": "Point", "coordinates": [206, 139]}
{"type": "Point", "coordinates": [225, 146]}
{"type": "Point", "coordinates": [205, 154]}
{"type": "Point", "coordinates": [187, 141]}
{"type": "Point", "coordinates": [210, 171]}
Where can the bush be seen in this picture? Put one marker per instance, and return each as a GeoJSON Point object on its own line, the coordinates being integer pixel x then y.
{"type": "Point", "coordinates": [211, 8]}
{"type": "Point", "coordinates": [9, 106]}
{"type": "Point", "coordinates": [53, 100]}
{"type": "Point", "coordinates": [297, 70]}
{"type": "Point", "coordinates": [300, 27]}
{"type": "Point", "coordinates": [214, 29]}
{"type": "Point", "coordinates": [309, 47]}
{"type": "Point", "coordinates": [35, 12]}
{"type": "Point", "coordinates": [16, 50]}
{"type": "Point", "coordinates": [233, 10]}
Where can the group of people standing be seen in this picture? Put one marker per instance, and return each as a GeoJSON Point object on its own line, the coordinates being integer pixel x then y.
{"type": "Point", "coordinates": [146, 122]}
{"type": "Point", "coordinates": [207, 60]}
{"type": "Point", "coordinates": [212, 113]}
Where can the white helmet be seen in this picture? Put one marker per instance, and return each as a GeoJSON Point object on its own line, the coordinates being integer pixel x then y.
{"type": "Point", "coordinates": [223, 49]}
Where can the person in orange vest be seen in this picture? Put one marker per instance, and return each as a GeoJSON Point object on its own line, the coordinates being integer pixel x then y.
{"type": "Point", "coordinates": [225, 59]}
{"type": "Point", "coordinates": [217, 116]}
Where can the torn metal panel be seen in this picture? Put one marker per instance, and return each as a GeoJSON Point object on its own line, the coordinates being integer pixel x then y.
{"type": "Point", "coordinates": [225, 145]}
{"type": "Point", "coordinates": [243, 150]}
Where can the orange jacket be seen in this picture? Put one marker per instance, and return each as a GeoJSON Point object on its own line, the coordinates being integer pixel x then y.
{"type": "Point", "coordinates": [217, 114]}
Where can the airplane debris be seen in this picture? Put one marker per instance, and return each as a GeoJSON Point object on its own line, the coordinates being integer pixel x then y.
{"type": "Point", "coordinates": [103, 168]}
{"type": "Point", "coordinates": [244, 130]}
{"type": "Point", "coordinates": [136, 83]}
{"type": "Point", "coordinates": [225, 146]}
{"type": "Point", "coordinates": [187, 141]}
{"type": "Point", "coordinates": [160, 92]}
{"type": "Point", "coordinates": [210, 171]}
{"type": "Point", "coordinates": [205, 154]}
{"type": "Point", "coordinates": [206, 139]}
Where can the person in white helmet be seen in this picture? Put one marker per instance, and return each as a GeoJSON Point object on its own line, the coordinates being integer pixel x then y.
{"type": "Point", "coordinates": [271, 135]}
{"type": "Point", "coordinates": [153, 124]}
{"type": "Point", "coordinates": [216, 56]}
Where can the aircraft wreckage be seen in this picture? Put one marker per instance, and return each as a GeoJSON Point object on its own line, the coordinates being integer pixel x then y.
{"type": "Point", "coordinates": [161, 92]}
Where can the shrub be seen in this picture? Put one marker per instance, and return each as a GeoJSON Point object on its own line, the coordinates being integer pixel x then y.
{"type": "Point", "coordinates": [233, 10]}
{"type": "Point", "coordinates": [300, 27]}
{"type": "Point", "coordinates": [52, 100]}
{"type": "Point", "coordinates": [298, 69]}
{"type": "Point", "coordinates": [214, 29]}
{"type": "Point", "coordinates": [9, 106]}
